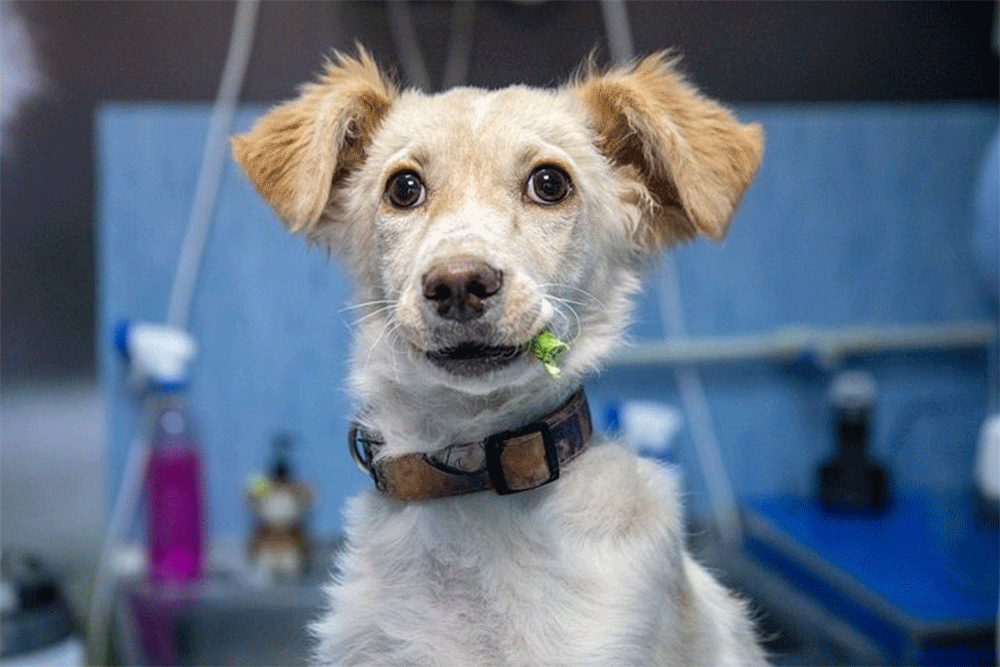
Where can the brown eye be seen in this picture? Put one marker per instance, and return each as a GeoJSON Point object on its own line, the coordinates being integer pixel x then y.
{"type": "Point", "coordinates": [405, 190]}
{"type": "Point", "coordinates": [548, 185]}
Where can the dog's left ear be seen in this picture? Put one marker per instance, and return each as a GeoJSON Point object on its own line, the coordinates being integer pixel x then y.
{"type": "Point", "coordinates": [298, 153]}
{"type": "Point", "coordinates": [693, 157]}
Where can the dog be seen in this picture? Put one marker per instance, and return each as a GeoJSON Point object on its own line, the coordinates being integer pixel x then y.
{"type": "Point", "coordinates": [501, 531]}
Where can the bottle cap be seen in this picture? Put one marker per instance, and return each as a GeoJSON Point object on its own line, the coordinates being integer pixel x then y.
{"type": "Point", "coordinates": [853, 390]}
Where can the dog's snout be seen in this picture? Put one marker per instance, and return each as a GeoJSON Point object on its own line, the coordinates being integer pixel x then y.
{"type": "Point", "coordinates": [459, 288]}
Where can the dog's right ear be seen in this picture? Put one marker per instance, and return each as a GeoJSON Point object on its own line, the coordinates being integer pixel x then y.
{"type": "Point", "coordinates": [296, 153]}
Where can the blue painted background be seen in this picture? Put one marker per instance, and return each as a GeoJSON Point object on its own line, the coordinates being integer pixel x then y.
{"type": "Point", "coordinates": [859, 215]}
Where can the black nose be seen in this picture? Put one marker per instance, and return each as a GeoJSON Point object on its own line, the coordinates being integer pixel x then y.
{"type": "Point", "coordinates": [458, 288]}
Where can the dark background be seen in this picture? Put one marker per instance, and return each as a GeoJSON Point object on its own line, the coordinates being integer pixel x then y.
{"type": "Point", "coordinates": [94, 52]}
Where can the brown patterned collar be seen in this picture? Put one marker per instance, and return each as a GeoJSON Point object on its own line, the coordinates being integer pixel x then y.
{"type": "Point", "coordinates": [506, 462]}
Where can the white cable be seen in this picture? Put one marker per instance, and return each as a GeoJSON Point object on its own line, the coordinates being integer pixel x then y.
{"type": "Point", "coordinates": [993, 375]}
{"type": "Point", "coordinates": [213, 161]}
{"type": "Point", "coordinates": [122, 517]}
{"type": "Point", "coordinates": [456, 70]}
{"type": "Point", "coordinates": [179, 308]}
{"type": "Point", "coordinates": [403, 31]}
{"type": "Point", "coordinates": [404, 38]}
{"type": "Point", "coordinates": [692, 392]}
{"type": "Point", "coordinates": [618, 30]}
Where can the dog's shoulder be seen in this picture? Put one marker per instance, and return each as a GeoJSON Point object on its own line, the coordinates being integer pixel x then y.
{"type": "Point", "coordinates": [610, 493]}
{"type": "Point", "coordinates": [619, 515]}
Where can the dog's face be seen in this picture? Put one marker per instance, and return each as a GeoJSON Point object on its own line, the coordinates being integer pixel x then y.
{"type": "Point", "coordinates": [472, 220]}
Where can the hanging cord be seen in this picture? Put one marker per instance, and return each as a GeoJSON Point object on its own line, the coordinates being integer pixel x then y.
{"type": "Point", "coordinates": [404, 38]}
{"type": "Point", "coordinates": [619, 31]}
{"type": "Point", "coordinates": [695, 399]}
{"type": "Point", "coordinates": [456, 70]}
{"type": "Point", "coordinates": [213, 161]}
{"type": "Point", "coordinates": [126, 503]}
{"type": "Point", "coordinates": [402, 29]}
{"type": "Point", "coordinates": [121, 519]}
{"type": "Point", "coordinates": [718, 485]}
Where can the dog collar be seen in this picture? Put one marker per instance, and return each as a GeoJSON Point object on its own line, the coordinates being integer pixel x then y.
{"type": "Point", "coordinates": [507, 462]}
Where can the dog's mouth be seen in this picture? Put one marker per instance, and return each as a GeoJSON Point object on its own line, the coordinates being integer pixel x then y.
{"type": "Point", "coordinates": [471, 359]}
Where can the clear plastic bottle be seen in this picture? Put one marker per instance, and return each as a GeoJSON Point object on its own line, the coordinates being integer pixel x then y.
{"type": "Point", "coordinates": [174, 530]}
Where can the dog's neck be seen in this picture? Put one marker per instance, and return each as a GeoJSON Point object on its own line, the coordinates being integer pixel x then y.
{"type": "Point", "coordinates": [506, 462]}
{"type": "Point", "coordinates": [423, 417]}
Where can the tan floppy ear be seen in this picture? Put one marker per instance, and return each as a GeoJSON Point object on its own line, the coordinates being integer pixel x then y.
{"type": "Point", "coordinates": [693, 156]}
{"type": "Point", "coordinates": [297, 152]}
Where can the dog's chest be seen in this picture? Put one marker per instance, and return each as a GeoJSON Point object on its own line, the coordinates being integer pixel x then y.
{"type": "Point", "coordinates": [485, 581]}
{"type": "Point", "coordinates": [477, 591]}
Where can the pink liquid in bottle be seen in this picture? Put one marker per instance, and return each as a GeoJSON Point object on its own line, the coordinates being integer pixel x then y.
{"type": "Point", "coordinates": [173, 483]}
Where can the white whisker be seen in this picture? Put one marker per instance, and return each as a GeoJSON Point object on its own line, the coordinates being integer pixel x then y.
{"type": "Point", "coordinates": [388, 326]}
{"type": "Point", "coordinates": [365, 304]}
{"type": "Point", "coordinates": [569, 314]}
{"type": "Point", "coordinates": [395, 338]}
{"type": "Point", "coordinates": [374, 313]}
{"type": "Point", "coordinates": [585, 293]}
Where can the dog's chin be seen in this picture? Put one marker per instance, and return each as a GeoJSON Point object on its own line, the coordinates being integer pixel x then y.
{"type": "Point", "coordinates": [475, 360]}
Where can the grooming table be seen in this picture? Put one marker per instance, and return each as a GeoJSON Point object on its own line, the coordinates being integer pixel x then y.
{"type": "Point", "coordinates": [918, 580]}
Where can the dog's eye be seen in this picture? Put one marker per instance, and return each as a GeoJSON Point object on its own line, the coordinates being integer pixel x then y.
{"type": "Point", "coordinates": [548, 185]}
{"type": "Point", "coordinates": [405, 190]}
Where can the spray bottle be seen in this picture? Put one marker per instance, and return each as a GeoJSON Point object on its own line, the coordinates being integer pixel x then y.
{"type": "Point", "coordinates": [159, 356]}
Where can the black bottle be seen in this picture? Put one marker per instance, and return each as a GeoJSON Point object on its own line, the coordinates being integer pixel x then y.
{"type": "Point", "coordinates": [849, 481]}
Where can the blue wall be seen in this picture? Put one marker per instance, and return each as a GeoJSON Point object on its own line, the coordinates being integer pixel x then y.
{"type": "Point", "coordinates": [859, 215]}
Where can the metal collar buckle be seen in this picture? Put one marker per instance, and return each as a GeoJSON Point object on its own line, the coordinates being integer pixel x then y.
{"type": "Point", "coordinates": [497, 445]}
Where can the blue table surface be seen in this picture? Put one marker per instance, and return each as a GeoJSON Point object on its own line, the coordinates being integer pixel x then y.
{"type": "Point", "coordinates": [934, 561]}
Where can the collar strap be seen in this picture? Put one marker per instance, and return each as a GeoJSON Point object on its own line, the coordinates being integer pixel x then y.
{"type": "Point", "coordinates": [506, 462]}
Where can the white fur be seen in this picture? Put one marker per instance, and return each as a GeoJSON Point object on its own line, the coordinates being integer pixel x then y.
{"type": "Point", "coordinates": [588, 570]}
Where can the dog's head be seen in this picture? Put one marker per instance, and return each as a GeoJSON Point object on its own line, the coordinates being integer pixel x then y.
{"type": "Point", "coordinates": [474, 219]}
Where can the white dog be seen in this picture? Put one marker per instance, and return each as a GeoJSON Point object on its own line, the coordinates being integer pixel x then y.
{"type": "Point", "coordinates": [472, 220]}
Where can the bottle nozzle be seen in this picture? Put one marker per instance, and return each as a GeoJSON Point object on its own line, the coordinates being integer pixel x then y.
{"type": "Point", "coordinates": [157, 353]}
